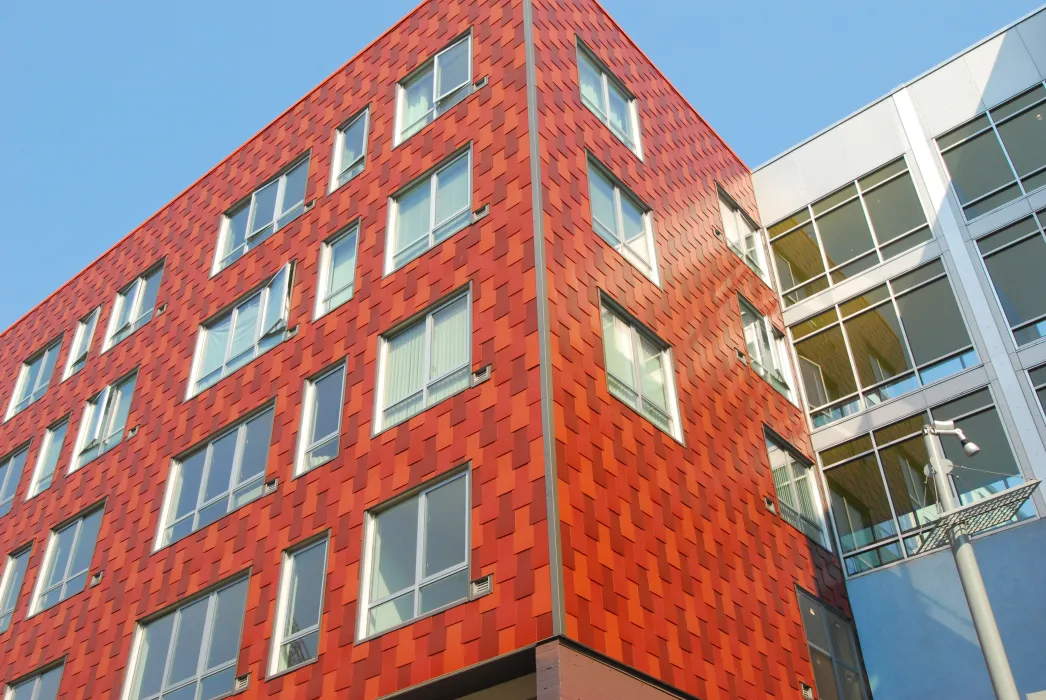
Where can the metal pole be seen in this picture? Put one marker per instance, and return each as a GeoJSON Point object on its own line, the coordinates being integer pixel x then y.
{"type": "Point", "coordinates": [970, 576]}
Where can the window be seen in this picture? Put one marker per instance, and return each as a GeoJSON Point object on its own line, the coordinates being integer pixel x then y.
{"type": "Point", "coordinates": [1038, 382]}
{"type": "Point", "coordinates": [296, 639]}
{"type": "Point", "coordinates": [871, 220]}
{"type": "Point", "coordinates": [767, 351]}
{"type": "Point", "coordinates": [425, 362]}
{"type": "Point", "coordinates": [350, 150]}
{"type": "Point", "coordinates": [134, 306]}
{"type": "Point", "coordinates": [1014, 258]}
{"type": "Point", "coordinates": [191, 651]}
{"type": "Point", "coordinates": [433, 89]}
{"type": "Point", "coordinates": [639, 369]}
{"type": "Point", "coordinates": [608, 99]}
{"type": "Point", "coordinates": [40, 686]}
{"type": "Point", "coordinates": [47, 460]}
{"type": "Point", "coordinates": [217, 478]}
{"type": "Point", "coordinates": [10, 473]}
{"type": "Point", "coordinates": [337, 270]}
{"type": "Point", "coordinates": [34, 378]}
{"type": "Point", "coordinates": [321, 419]}
{"type": "Point", "coordinates": [67, 561]}
{"type": "Point", "coordinates": [884, 343]}
{"type": "Point", "coordinates": [237, 336]}
{"type": "Point", "coordinates": [430, 211]}
{"type": "Point", "coordinates": [743, 236]}
{"type": "Point", "coordinates": [1000, 155]}
{"type": "Point", "coordinates": [621, 221]}
{"type": "Point", "coordinates": [833, 651]}
{"type": "Point", "coordinates": [269, 208]}
{"type": "Point", "coordinates": [104, 420]}
{"type": "Point", "coordinates": [11, 585]}
{"type": "Point", "coordinates": [81, 343]}
{"type": "Point", "coordinates": [797, 495]}
{"type": "Point", "coordinates": [882, 501]}
{"type": "Point", "coordinates": [417, 556]}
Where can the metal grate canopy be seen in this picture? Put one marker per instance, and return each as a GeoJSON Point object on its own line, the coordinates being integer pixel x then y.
{"type": "Point", "coordinates": [979, 516]}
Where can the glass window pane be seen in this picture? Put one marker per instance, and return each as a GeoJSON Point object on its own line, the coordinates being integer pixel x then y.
{"type": "Point", "coordinates": [237, 229]}
{"type": "Point", "coordinates": [219, 473]}
{"type": "Point", "coordinates": [591, 85]}
{"type": "Point", "coordinates": [412, 216]}
{"type": "Point", "coordinates": [635, 229]}
{"type": "Point", "coordinates": [604, 216]}
{"type": "Point", "coordinates": [814, 622]}
{"type": "Point", "coordinates": [120, 408]}
{"type": "Point", "coordinates": [48, 686]}
{"type": "Point", "coordinates": [81, 557]}
{"type": "Point", "coordinates": [838, 197]}
{"type": "Point", "coordinates": [450, 339]}
{"type": "Point", "coordinates": [620, 113]}
{"type": "Point", "coordinates": [453, 67]}
{"type": "Point", "coordinates": [391, 613]}
{"type": "Point", "coordinates": [824, 676]}
{"type": "Point", "coordinates": [452, 190]}
{"type": "Point", "coordinates": [256, 446]}
{"type": "Point", "coordinates": [299, 651]}
{"type": "Point", "coordinates": [1025, 140]}
{"type": "Point", "coordinates": [294, 187]}
{"type": "Point", "coordinates": [53, 441]}
{"type": "Point", "coordinates": [188, 642]}
{"type": "Point", "coordinates": [977, 167]}
{"type": "Point", "coordinates": [446, 526]}
{"type": "Point", "coordinates": [342, 264]}
{"type": "Point", "coordinates": [932, 321]}
{"type": "Point", "coordinates": [417, 103]}
{"type": "Point", "coordinates": [63, 549]}
{"type": "Point", "coordinates": [152, 659]}
{"type": "Point", "coordinates": [217, 685]}
{"type": "Point", "coordinates": [989, 471]}
{"type": "Point", "coordinates": [215, 342]}
{"type": "Point", "coordinates": [1016, 273]}
{"type": "Point", "coordinates": [305, 594]}
{"type": "Point", "coordinates": [845, 233]}
{"type": "Point", "coordinates": [395, 550]}
{"type": "Point", "coordinates": [1007, 235]}
{"type": "Point", "coordinates": [245, 332]}
{"type": "Point", "coordinates": [877, 346]}
{"type": "Point", "coordinates": [276, 302]}
{"type": "Point", "coordinates": [327, 404]}
{"type": "Point", "coordinates": [825, 367]}
{"type": "Point", "coordinates": [187, 484]}
{"type": "Point", "coordinates": [264, 206]}
{"type": "Point", "coordinates": [228, 619]}
{"type": "Point", "coordinates": [859, 505]}
{"type": "Point", "coordinates": [913, 494]}
{"type": "Point", "coordinates": [148, 299]}
{"type": "Point", "coordinates": [405, 370]}
{"type": "Point", "coordinates": [444, 592]}
{"type": "Point", "coordinates": [894, 208]}
{"type": "Point", "coordinates": [353, 142]}
{"type": "Point", "coordinates": [617, 345]}
{"type": "Point", "coordinates": [652, 374]}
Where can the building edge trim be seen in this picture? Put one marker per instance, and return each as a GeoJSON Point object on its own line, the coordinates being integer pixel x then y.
{"type": "Point", "coordinates": [548, 437]}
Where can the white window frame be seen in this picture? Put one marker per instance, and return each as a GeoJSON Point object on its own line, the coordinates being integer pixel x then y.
{"type": "Point", "coordinates": [40, 384]}
{"type": "Point", "coordinates": [283, 603]}
{"type": "Point", "coordinates": [81, 346]}
{"type": "Point", "coordinates": [46, 445]}
{"type": "Point", "coordinates": [425, 317]}
{"type": "Point", "coordinates": [339, 168]}
{"type": "Point", "coordinates": [650, 270]}
{"type": "Point", "coordinates": [35, 678]}
{"type": "Point", "coordinates": [608, 306]}
{"type": "Point", "coordinates": [324, 294]}
{"type": "Point", "coordinates": [252, 237]}
{"type": "Point", "coordinates": [370, 530]}
{"type": "Point", "coordinates": [8, 585]}
{"type": "Point", "coordinates": [11, 477]}
{"type": "Point", "coordinates": [104, 429]}
{"type": "Point", "coordinates": [279, 330]}
{"type": "Point", "coordinates": [441, 102]}
{"type": "Point", "coordinates": [778, 373]}
{"type": "Point", "coordinates": [755, 258]}
{"type": "Point", "coordinates": [634, 140]}
{"type": "Point", "coordinates": [45, 566]}
{"type": "Point", "coordinates": [450, 224]}
{"type": "Point", "coordinates": [137, 317]}
{"type": "Point", "coordinates": [817, 500]}
{"type": "Point", "coordinates": [308, 418]}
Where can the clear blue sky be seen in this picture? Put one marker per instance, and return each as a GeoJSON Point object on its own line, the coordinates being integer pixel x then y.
{"type": "Point", "coordinates": [110, 109]}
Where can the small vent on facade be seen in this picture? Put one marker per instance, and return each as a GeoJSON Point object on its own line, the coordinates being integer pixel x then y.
{"type": "Point", "coordinates": [241, 683]}
{"type": "Point", "coordinates": [717, 232]}
{"type": "Point", "coordinates": [808, 692]}
{"type": "Point", "coordinates": [741, 356]}
{"type": "Point", "coordinates": [160, 309]}
{"type": "Point", "coordinates": [270, 486]}
{"type": "Point", "coordinates": [132, 432]}
{"type": "Point", "coordinates": [310, 205]}
{"type": "Point", "coordinates": [96, 579]}
{"type": "Point", "coordinates": [481, 375]}
{"type": "Point", "coordinates": [481, 587]}
{"type": "Point", "coordinates": [481, 83]}
{"type": "Point", "coordinates": [291, 332]}
{"type": "Point", "coordinates": [480, 213]}
{"type": "Point", "coordinates": [770, 505]}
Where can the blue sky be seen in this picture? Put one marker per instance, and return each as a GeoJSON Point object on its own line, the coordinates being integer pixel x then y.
{"type": "Point", "coordinates": [110, 109]}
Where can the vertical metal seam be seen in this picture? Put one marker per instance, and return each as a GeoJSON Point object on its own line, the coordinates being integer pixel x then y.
{"type": "Point", "coordinates": [544, 335]}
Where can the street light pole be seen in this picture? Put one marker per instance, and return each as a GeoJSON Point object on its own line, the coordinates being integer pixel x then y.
{"type": "Point", "coordinates": [966, 563]}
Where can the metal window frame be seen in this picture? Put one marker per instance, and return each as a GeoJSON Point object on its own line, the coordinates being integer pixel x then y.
{"type": "Point", "coordinates": [49, 563]}
{"type": "Point", "coordinates": [324, 293]}
{"type": "Point", "coordinates": [308, 418]}
{"type": "Point", "coordinates": [759, 266]}
{"type": "Point", "coordinates": [46, 446]}
{"type": "Point", "coordinates": [1039, 219]}
{"type": "Point", "coordinates": [36, 677]}
{"type": "Point", "coordinates": [9, 587]}
{"type": "Point", "coordinates": [25, 396]}
{"type": "Point", "coordinates": [136, 317]}
{"type": "Point", "coordinates": [775, 340]}
{"type": "Point", "coordinates": [11, 477]}
{"type": "Point", "coordinates": [419, 494]}
{"type": "Point", "coordinates": [104, 430]}
{"type": "Point", "coordinates": [338, 166]}
{"type": "Point", "coordinates": [819, 501]}
{"type": "Point", "coordinates": [831, 653]}
{"type": "Point", "coordinates": [634, 140]}
{"type": "Point", "coordinates": [622, 192]}
{"type": "Point", "coordinates": [288, 564]}
{"type": "Point", "coordinates": [430, 70]}
{"type": "Point", "coordinates": [81, 346]}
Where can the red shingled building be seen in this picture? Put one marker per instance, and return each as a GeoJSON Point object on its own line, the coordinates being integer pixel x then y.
{"type": "Point", "coordinates": [365, 412]}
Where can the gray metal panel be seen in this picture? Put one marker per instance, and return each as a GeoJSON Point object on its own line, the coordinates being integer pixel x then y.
{"type": "Point", "coordinates": [825, 164]}
{"type": "Point", "coordinates": [872, 138]}
{"type": "Point", "coordinates": [1001, 67]}
{"type": "Point", "coordinates": [999, 218]}
{"type": "Point", "coordinates": [779, 189]}
{"type": "Point", "coordinates": [1033, 32]}
{"type": "Point", "coordinates": [947, 97]}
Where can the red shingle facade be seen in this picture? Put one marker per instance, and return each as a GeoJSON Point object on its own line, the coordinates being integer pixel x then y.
{"type": "Point", "coordinates": [672, 565]}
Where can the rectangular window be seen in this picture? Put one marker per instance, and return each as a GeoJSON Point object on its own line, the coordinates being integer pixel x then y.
{"type": "Point", "coordinates": [81, 343]}
{"type": "Point", "coordinates": [871, 220]}
{"type": "Point", "coordinates": [797, 494]}
{"type": "Point", "coordinates": [190, 652]}
{"type": "Point", "coordinates": [425, 362]}
{"type": "Point", "coordinates": [67, 561]}
{"type": "Point", "coordinates": [639, 369]}
{"type": "Point", "coordinates": [743, 236]}
{"type": "Point", "coordinates": [608, 99]}
{"type": "Point", "coordinates": [350, 149]}
{"type": "Point", "coordinates": [270, 207]}
{"type": "Point", "coordinates": [433, 89]}
{"type": "Point", "coordinates": [833, 651]}
{"type": "Point", "coordinates": [217, 478]}
{"type": "Point", "coordinates": [10, 474]}
{"type": "Point", "coordinates": [1038, 382]}
{"type": "Point", "coordinates": [321, 419]}
{"type": "Point", "coordinates": [1014, 258]}
{"type": "Point", "coordinates": [11, 585]}
{"type": "Point", "coordinates": [34, 378]}
{"type": "Point", "coordinates": [430, 211]}
{"type": "Point", "coordinates": [337, 270]}
{"type": "Point", "coordinates": [621, 220]}
{"type": "Point", "coordinates": [242, 333]}
{"type": "Point", "coordinates": [417, 556]}
{"type": "Point", "coordinates": [104, 420]}
{"type": "Point", "coordinates": [998, 156]}
{"type": "Point", "coordinates": [39, 686]}
{"type": "Point", "coordinates": [47, 460]}
{"type": "Point", "coordinates": [882, 344]}
{"type": "Point", "coordinates": [767, 350]}
{"type": "Point", "coordinates": [134, 306]}
{"type": "Point", "coordinates": [296, 639]}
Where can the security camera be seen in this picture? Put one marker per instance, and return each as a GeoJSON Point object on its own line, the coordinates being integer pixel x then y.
{"type": "Point", "coordinates": [969, 447]}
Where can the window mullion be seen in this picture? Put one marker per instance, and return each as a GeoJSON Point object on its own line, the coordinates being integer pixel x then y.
{"type": "Point", "coordinates": [281, 193]}
{"type": "Point", "coordinates": [205, 476]}
{"type": "Point", "coordinates": [605, 83]}
{"type": "Point", "coordinates": [252, 211]}
{"type": "Point", "coordinates": [72, 555]}
{"type": "Point", "coordinates": [234, 317]}
{"type": "Point", "coordinates": [619, 215]}
{"type": "Point", "coordinates": [430, 332]}
{"type": "Point", "coordinates": [433, 195]}
{"type": "Point", "coordinates": [637, 348]}
{"type": "Point", "coordinates": [237, 458]}
{"type": "Point", "coordinates": [172, 644]}
{"type": "Point", "coordinates": [419, 569]}
{"type": "Point", "coordinates": [208, 628]}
